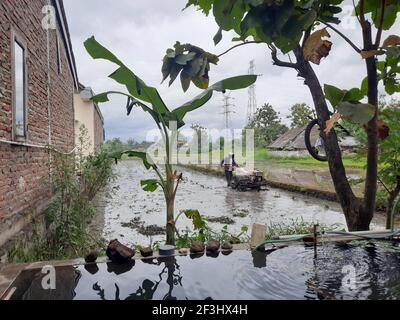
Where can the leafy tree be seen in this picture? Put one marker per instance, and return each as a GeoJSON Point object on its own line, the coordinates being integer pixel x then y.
{"type": "Point", "coordinates": [389, 162]}
{"type": "Point", "coordinates": [114, 145]}
{"type": "Point", "coordinates": [267, 126]}
{"type": "Point", "coordinates": [300, 115]}
{"type": "Point", "coordinates": [294, 27]}
{"type": "Point", "coordinates": [147, 98]}
{"type": "Point", "coordinates": [131, 143]}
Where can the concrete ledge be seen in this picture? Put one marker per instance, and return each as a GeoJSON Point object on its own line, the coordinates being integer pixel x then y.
{"type": "Point", "coordinates": [9, 273]}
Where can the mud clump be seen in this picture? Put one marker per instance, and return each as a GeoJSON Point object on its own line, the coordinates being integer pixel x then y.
{"type": "Point", "coordinates": [138, 224]}
{"type": "Point", "coordinates": [146, 252]}
{"type": "Point", "coordinates": [119, 253]}
{"type": "Point", "coordinates": [133, 224]}
{"type": "Point", "coordinates": [91, 257]}
{"type": "Point", "coordinates": [227, 246]}
{"type": "Point", "coordinates": [221, 220]}
{"type": "Point", "coordinates": [197, 247]}
{"type": "Point", "coordinates": [152, 230]}
{"type": "Point", "coordinates": [241, 213]}
{"type": "Point", "coordinates": [213, 246]}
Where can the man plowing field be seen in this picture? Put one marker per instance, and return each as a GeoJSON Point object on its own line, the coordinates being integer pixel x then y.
{"type": "Point", "coordinates": [229, 165]}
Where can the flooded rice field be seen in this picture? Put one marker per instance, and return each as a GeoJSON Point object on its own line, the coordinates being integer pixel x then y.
{"type": "Point", "coordinates": [131, 214]}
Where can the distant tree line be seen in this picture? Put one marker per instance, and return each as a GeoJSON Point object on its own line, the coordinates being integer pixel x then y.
{"type": "Point", "coordinates": [268, 125]}
{"type": "Point", "coordinates": [117, 145]}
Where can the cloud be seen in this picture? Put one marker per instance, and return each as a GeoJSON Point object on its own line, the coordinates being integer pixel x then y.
{"type": "Point", "coordinates": [140, 31]}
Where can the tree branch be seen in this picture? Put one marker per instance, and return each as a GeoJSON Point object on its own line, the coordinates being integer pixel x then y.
{"type": "Point", "coordinates": [280, 63]}
{"type": "Point", "coordinates": [358, 50]}
{"type": "Point", "coordinates": [355, 10]}
{"type": "Point", "coordinates": [384, 185]}
{"type": "Point", "coordinates": [382, 20]}
{"type": "Point", "coordinates": [306, 36]}
{"type": "Point", "coordinates": [238, 45]}
{"type": "Point", "coordinates": [363, 22]}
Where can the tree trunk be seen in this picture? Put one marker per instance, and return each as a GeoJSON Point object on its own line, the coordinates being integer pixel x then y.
{"type": "Point", "coordinates": [352, 207]}
{"type": "Point", "coordinates": [170, 221]}
{"type": "Point", "coordinates": [170, 200]}
{"type": "Point", "coordinates": [371, 180]}
{"type": "Point", "coordinates": [391, 203]}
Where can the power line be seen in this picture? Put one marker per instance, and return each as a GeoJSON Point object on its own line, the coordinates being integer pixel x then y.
{"type": "Point", "coordinates": [227, 110]}
{"type": "Point", "coordinates": [252, 105]}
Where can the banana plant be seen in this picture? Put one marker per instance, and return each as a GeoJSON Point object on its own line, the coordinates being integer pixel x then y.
{"type": "Point", "coordinates": [140, 95]}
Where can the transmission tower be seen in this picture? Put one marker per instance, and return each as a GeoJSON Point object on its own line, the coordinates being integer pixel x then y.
{"type": "Point", "coordinates": [227, 110]}
{"type": "Point", "coordinates": [252, 106]}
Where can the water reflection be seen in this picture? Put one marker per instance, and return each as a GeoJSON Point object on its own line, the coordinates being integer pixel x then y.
{"type": "Point", "coordinates": [170, 274]}
{"type": "Point", "coordinates": [282, 273]}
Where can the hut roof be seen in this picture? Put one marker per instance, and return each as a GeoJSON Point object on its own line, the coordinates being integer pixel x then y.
{"type": "Point", "coordinates": [294, 139]}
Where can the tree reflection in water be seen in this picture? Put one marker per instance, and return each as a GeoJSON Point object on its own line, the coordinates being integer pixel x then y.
{"type": "Point", "coordinates": [148, 288]}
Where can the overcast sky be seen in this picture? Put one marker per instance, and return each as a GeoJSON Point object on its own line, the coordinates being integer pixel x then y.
{"type": "Point", "coordinates": [140, 31]}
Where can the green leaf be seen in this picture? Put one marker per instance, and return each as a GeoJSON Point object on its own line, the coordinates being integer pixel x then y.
{"type": "Point", "coordinates": [183, 59]}
{"type": "Point", "coordinates": [228, 14]}
{"type": "Point", "coordinates": [195, 67]}
{"type": "Point", "coordinates": [205, 5]}
{"type": "Point", "coordinates": [194, 104]}
{"type": "Point", "coordinates": [104, 97]}
{"type": "Point", "coordinates": [201, 82]}
{"type": "Point", "coordinates": [218, 37]}
{"type": "Point", "coordinates": [97, 51]}
{"type": "Point", "coordinates": [101, 97]}
{"type": "Point", "coordinates": [254, 3]}
{"type": "Point", "coordinates": [353, 95]}
{"type": "Point", "coordinates": [359, 113]}
{"type": "Point", "coordinates": [123, 75]}
{"type": "Point", "coordinates": [234, 83]}
{"type": "Point", "coordinates": [393, 52]}
{"type": "Point", "coordinates": [391, 86]}
{"type": "Point", "coordinates": [166, 68]}
{"type": "Point", "coordinates": [176, 68]}
{"type": "Point", "coordinates": [364, 86]}
{"type": "Point", "coordinates": [150, 185]}
{"type": "Point", "coordinates": [194, 215]}
{"type": "Point", "coordinates": [185, 80]}
{"type": "Point", "coordinates": [390, 16]}
{"type": "Point", "coordinates": [334, 94]}
{"type": "Point", "coordinates": [147, 161]}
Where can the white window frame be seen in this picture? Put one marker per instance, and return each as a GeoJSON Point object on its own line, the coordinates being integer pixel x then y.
{"type": "Point", "coordinates": [16, 39]}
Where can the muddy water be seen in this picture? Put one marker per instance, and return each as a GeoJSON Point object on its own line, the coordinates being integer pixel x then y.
{"type": "Point", "coordinates": [315, 178]}
{"type": "Point", "coordinates": [130, 206]}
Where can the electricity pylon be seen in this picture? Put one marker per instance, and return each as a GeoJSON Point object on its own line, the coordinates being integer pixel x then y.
{"type": "Point", "coordinates": [252, 106]}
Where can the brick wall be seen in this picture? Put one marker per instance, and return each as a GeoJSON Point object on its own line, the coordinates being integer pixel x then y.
{"type": "Point", "coordinates": [24, 170]}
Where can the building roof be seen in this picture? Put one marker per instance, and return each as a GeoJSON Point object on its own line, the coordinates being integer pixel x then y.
{"type": "Point", "coordinates": [64, 30]}
{"type": "Point", "coordinates": [86, 93]}
{"type": "Point", "coordinates": [294, 139]}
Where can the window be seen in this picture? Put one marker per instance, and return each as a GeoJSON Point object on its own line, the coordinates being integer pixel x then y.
{"type": "Point", "coordinates": [58, 54]}
{"type": "Point", "coordinates": [19, 91]}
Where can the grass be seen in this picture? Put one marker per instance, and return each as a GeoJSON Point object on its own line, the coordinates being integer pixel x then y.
{"type": "Point", "coordinates": [262, 154]}
{"type": "Point", "coordinates": [295, 227]}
